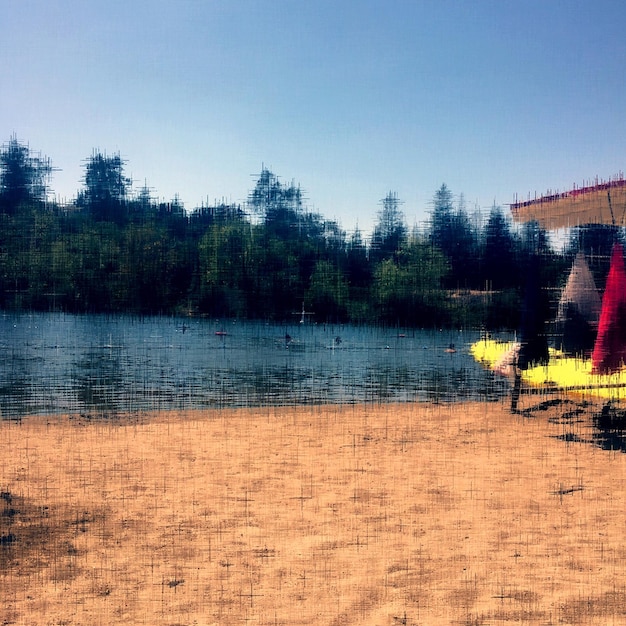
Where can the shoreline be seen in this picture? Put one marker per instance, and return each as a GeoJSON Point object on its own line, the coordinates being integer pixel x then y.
{"type": "Point", "coordinates": [325, 514]}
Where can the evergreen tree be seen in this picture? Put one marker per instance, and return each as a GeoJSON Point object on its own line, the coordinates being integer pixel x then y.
{"type": "Point", "coordinates": [390, 231]}
{"type": "Point", "coordinates": [499, 267]}
{"type": "Point", "coordinates": [441, 217]}
{"type": "Point", "coordinates": [23, 176]}
{"type": "Point", "coordinates": [452, 233]}
{"type": "Point", "coordinates": [328, 292]}
{"type": "Point", "coordinates": [106, 188]}
{"type": "Point", "coordinates": [279, 206]}
{"type": "Point", "coordinates": [596, 241]}
{"type": "Point", "coordinates": [358, 265]}
{"type": "Point", "coordinates": [408, 290]}
{"type": "Point", "coordinates": [225, 275]}
{"type": "Point", "coordinates": [534, 240]}
{"type": "Point", "coordinates": [143, 205]}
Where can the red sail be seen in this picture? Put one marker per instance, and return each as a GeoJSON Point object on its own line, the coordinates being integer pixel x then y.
{"type": "Point", "coordinates": [609, 352]}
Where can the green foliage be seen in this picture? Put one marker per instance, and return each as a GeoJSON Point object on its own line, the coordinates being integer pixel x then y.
{"type": "Point", "coordinates": [328, 292]}
{"type": "Point", "coordinates": [89, 269]}
{"type": "Point", "coordinates": [499, 265]}
{"type": "Point", "coordinates": [112, 252]}
{"type": "Point", "coordinates": [106, 188]}
{"type": "Point", "coordinates": [23, 176]}
{"type": "Point", "coordinates": [441, 217]}
{"type": "Point", "coordinates": [390, 231]}
{"type": "Point", "coordinates": [224, 255]}
{"type": "Point", "coordinates": [279, 206]}
{"type": "Point", "coordinates": [409, 290]}
{"type": "Point", "coordinates": [452, 233]}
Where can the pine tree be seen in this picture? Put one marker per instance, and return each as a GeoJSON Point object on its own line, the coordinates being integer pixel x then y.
{"type": "Point", "coordinates": [23, 176]}
{"type": "Point", "coordinates": [390, 231]}
{"type": "Point", "coordinates": [106, 188]}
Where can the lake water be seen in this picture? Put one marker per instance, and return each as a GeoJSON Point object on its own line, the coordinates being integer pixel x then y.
{"type": "Point", "coordinates": [58, 363]}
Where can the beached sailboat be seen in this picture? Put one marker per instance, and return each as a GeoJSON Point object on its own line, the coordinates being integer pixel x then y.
{"type": "Point", "coordinates": [578, 311]}
{"type": "Point", "coordinates": [581, 360]}
{"type": "Point", "coordinates": [600, 373]}
{"type": "Point", "coordinates": [609, 351]}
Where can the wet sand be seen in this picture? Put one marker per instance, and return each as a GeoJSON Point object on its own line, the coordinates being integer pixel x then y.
{"type": "Point", "coordinates": [377, 514]}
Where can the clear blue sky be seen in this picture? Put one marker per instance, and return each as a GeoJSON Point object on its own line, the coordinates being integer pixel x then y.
{"type": "Point", "coordinates": [351, 98]}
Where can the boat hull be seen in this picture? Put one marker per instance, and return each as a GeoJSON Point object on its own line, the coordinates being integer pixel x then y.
{"type": "Point", "coordinates": [562, 373]}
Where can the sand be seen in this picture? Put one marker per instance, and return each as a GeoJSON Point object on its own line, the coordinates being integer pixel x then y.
{"type": "Point", "coordinates": [368, 514]}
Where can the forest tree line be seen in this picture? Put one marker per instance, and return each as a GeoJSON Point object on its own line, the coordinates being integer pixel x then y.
{"type": "Point", "coordinates": [114, 250]}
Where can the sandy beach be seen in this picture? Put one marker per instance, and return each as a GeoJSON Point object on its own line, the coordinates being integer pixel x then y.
{"type": "Point", "coordinates": [362, 514]}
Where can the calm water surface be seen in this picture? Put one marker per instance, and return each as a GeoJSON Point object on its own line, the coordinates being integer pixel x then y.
{"type": "Point", "coordinates": [53, 363]}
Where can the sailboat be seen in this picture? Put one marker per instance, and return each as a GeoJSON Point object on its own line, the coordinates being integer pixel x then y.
{"type": "Point", "coordinates": [609, 351]}
{"type": "Point", "coordinates": [578, 311]}
{"type": "Point", "coordinates": [595, 373]}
